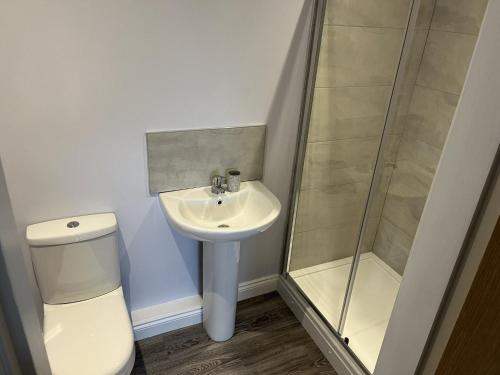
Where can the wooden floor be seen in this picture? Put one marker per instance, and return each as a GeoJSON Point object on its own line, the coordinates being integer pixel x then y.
{"type": "Point", "coordinates": [268, 340]}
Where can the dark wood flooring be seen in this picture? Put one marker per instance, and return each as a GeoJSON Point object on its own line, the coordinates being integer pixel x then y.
{"type": "Point", "coordinates": [268, 340]}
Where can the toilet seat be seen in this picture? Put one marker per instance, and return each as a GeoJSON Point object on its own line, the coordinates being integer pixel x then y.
{"type": "Point", "coordinates": [92, 337]}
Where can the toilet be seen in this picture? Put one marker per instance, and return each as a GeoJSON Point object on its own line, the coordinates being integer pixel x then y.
{"type": "Point", "coordinates": [87, 328]}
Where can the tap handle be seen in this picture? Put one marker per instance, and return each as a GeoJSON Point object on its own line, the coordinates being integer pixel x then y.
{"type": "Point", "coordinates": [218, 181]}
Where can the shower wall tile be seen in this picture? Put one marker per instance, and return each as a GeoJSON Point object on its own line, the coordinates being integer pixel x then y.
{"type": "Point", "coordinates": [406, 196]}
{"type": "Point", "coordinates": [419, 153]}
{"type": "Point", "coordinates": [446, 60]}
{"type": "Point", "coordinates": [379, 198]}
{"type": "Point", "coordinates": [348, 112]}
{"type": "Point", "coordinates": [404, 203]}
{"type": "Point", "coordinates": [333, 206]}
{"type": "Point", "coordinates": [404, 208]}
{"type": "Point", "coordinates": [402, 103]}
{"type": "Point", "coordinates": [343, 152]}
{"type": "Point", "coordinates": [418, 178]}
{"type": "Point", "coordinates": [378, 206]}
{"type": "Point", "coordinates": [392, 245]}
{"type": "Point", "coordinates": [186, 159]}
{"type": "Point", "coordinates": [440, 78]}
{"type": "Point", "coordinates": [341, 162]}
{"type": "Point", "coordinates": [320, 208]}
{"type": "Point", "coordinates": [338, 162]}
{"type": "Point", "coordinates": [381, 13]}
{"type": "Point", "coordinates": [403, 99]}
{"type": "Point", "coordinates": [370, 234]}
{"type": "Point", "coordinates": [425, 14]}
{"type": "Point", "coordinates": [459, 16]}
{"type": "Point", "coordinates": [416, 54]}
{"type": "Point", "coordinates": [381, 192]}
{"type": "Point", "coordinates": [323, 245]}
{"type": "Point", "coordinates": [391, 149]}
{"type": "Point", "coordinates": [430, 115]}
{"type": "Point", "coordinates": [315, 177]}
{"type": "Point", "coordinates": [358, 56]}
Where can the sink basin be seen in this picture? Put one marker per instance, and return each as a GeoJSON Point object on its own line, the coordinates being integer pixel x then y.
{"type": "Point", "coordinates": [199, 214]}
{"type": "Point", "coordinates": [221, 222]}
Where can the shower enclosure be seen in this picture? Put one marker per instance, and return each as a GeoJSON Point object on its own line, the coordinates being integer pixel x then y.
{"type": "Point", "coordinates": [384, 79]}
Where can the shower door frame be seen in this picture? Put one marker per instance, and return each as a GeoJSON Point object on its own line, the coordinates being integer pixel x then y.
{"type": "Point", "coordinates": [378, 168]}
{"type": "Point", "coordinates": [455, 205]}
{"type": "Point", "coordinates": [343, 357]}
{"type": "Point", "coordinates": [316, 32]}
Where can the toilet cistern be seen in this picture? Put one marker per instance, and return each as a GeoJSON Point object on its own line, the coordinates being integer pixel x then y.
{"type": "Point", "coordinates": [221, 221]}
{"type": "Point", "coordinates": [86, 325]}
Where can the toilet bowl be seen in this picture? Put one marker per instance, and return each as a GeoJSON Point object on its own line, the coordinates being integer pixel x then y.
{"type": "Point", "coordinates": [87, 328]}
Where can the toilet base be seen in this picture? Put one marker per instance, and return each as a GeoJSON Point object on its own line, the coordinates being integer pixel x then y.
{"type": "Point", "coordinates": [127, 370]}
{"type": "Point", "coordinates": [91, 337]}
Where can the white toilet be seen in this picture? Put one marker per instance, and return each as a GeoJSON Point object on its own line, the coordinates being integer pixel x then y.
{"type": "Point", "coordinates": [87, 328]}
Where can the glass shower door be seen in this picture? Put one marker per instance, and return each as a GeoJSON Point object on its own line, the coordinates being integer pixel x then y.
{"type": "Point", "coordinates": [359, 50]}
{"type": "Point", "coordinates": [337, 209]}
{"type": "Point", "coordinates": [383, 90]}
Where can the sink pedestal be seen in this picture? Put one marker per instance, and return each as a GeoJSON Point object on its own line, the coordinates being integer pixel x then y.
{"type": "Point", "coordinates": [220, 288]}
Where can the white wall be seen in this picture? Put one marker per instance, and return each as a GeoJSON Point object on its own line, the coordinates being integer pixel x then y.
{"type": "Point", "coordinates": [18, 309]}
{"type": "Point", "coordinates": [82, 81]}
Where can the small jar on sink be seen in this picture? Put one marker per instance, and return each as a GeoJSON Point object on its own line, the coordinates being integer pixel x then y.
{"type": "Point", "coordinates": [233, 180]}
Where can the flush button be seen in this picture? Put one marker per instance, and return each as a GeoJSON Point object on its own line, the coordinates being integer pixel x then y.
{"type": "Point", "coordinates": [73, 224]}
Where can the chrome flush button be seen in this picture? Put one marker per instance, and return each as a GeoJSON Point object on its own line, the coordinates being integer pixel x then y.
{"type": "Point", "coordinates": [73, 224]}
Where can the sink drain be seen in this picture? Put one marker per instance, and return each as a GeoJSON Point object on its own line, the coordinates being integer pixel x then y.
{"type": "Point", "coordinates": [223, 226]}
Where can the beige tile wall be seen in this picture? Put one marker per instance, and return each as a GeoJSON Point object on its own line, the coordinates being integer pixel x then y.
{"type": "Point", "coordinates": [446, 56]}
{"type": "Point", "coordinates": [359, 53]}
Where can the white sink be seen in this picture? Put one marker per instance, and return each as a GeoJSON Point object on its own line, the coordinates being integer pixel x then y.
{"type": "Point", "coordinates": [221, 221]}
{"type": "Point", "coordinates": [204, 216]}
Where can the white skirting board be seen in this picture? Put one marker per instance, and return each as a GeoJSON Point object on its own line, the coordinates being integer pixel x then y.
{"type": "Point", "coordinates": [154, 320]}
{"type": "Point", "coordinates": [322, 336]}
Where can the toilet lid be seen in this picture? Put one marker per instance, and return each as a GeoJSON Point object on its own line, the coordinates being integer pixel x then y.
{"type": "Point", "coordinates": [89, 337]}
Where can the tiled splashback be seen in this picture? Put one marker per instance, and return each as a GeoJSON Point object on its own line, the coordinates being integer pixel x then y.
{"type": "Point", "coordinates": [185, 159]}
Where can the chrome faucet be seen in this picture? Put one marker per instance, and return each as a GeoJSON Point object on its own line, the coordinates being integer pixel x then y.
{"type": "Point", "coordinates": [218, 184]}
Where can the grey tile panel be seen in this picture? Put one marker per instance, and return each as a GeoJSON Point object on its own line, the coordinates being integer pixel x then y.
{"type": "Point", "coordinates": [358, 56]}
{"type": "Point", "coordinates": [459, 16]}
{"type": "Point", "coordinates": [323, 245]}
{"type": "Point", "coordinates": [185, 159]}
{"type": "Point", "coordinates": [430, 115]}
{"type": "Point", "coordinates": [380, 13]}
{"type": "Point", "coordinates": [333, 206]}
{"type": "Point", "coordinates": [425, 13]}
{"type": "Point", "coordinates": [420, 153]}
{"type": "Point", "coordinates": [446, 60]}
{"type": "Point", "coordinates": [348, 112]}
{"type": "Point", "coordinates": [392, 245]}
